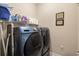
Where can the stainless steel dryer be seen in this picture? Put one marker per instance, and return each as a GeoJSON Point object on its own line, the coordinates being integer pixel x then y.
{"type": "Point", "coordinates": [27, 41]}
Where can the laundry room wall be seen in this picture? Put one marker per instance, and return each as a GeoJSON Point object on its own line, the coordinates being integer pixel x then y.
{"type": "Point", "coordinates": [63, 38]}
{"type": "Point", "coordinates": [23, 9]}
{"type": "Point", "coordinates": [27, 9]}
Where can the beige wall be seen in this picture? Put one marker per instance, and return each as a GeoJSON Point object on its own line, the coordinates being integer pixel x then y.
{"type": "Point", "coordinates": [63, 38]}
{"type": "Point", "coordinates": [27, 9]}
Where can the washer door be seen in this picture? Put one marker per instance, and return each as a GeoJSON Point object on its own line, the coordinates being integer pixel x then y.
{"type": "Point", "coordinates": [33, 45]}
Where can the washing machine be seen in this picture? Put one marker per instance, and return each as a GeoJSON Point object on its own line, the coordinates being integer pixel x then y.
{"type": "Point", "coordinates": [27, 41]}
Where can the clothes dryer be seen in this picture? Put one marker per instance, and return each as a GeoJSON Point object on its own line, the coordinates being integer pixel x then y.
{"type": "Point", "coordinates": [28, 41]}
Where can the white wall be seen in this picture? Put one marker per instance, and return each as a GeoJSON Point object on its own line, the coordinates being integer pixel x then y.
{"type": "Point", "coordinates": [27, 9]}
{"type": "Point", "coordinates": [61, 36]}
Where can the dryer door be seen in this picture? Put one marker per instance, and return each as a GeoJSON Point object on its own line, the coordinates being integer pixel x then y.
{"type": "Point", "coordinates": [33, 45]}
